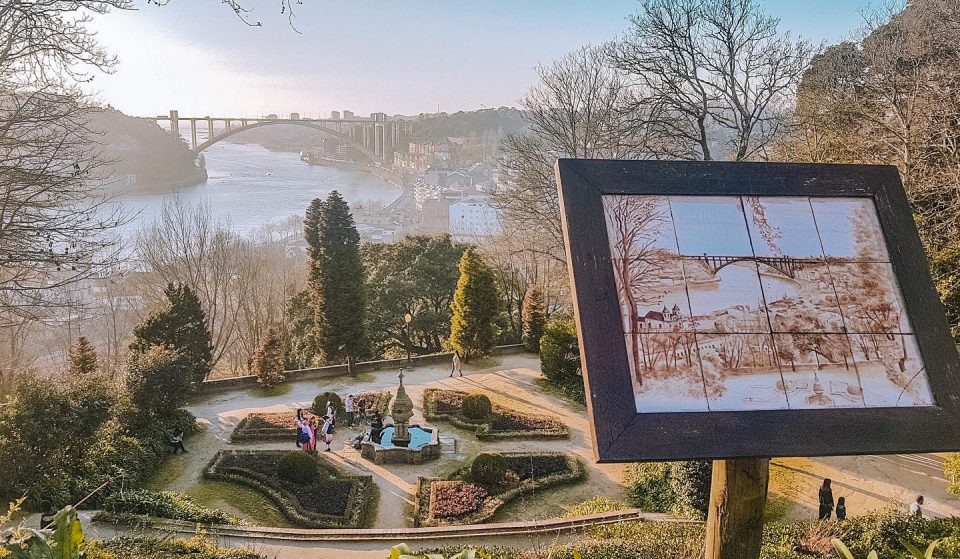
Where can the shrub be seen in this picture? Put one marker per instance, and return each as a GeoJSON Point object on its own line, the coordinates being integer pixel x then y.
{"type": "Point", "coordinates": [165, 504]}
{"type": "Point", "coordinates": [159, 380]}
{"type": "Point", "coordinates": [195, 548]}
{"type": "Point", "coordinates": [297, 467]}
{"type": "Point", "coordinates": [268, 360]}
{"type": "Point", "coordinates": [596, 505]}
{"type": "Point", "coordinates": [649, 486]}
{"type": "Point", "coordinates": [477, 406]}
{"type": "Point", "coordinates": [534, 317]}
{"type": "Point", "coordinates": [455, 498]}
{"type": "Point", "coordinates": [489, 469]}
{"type": "Point", "coordinates": [320, 404]}
{"type": "Point", "coordinates": [690, 482]}
{"type": "Point", "coordinates": [560, 357]}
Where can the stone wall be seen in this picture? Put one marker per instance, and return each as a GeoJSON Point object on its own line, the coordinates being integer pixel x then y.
{"type": "Point", "coordinates": [331, 371]}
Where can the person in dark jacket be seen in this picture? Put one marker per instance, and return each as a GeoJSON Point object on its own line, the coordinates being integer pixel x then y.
{"type": "Point", "coordinates": [826, 500]}
{"type": "Point", "coordinates": [841, 508]}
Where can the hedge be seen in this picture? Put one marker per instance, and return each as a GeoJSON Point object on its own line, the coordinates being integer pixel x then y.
{"type": "Point", "coordinates": [164, 504]}
{"type": "Point", "coordinates": [361, 497]}
{"type": "Point", "coordinates": [574, 472]}
{"type": "Point", "coordinates": [141, 548]}
{"type": "Point", "coordinates": [491, 428]}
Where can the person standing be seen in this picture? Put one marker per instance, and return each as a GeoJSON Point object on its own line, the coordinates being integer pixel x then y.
{"type": "Point", "coordinates": [841, 508]}
{"type": "Point", "coordinates": [456, 364]}
{"type": "Point", "coordinates": [348, 408]}
{"type": "Point", "coordinates": [309, 435]}
{"type": "Point", "coordinates": [299, 423]}
{"type": "Point", "coordinates": [327, 431]}
{"type": "Point", "coordinates": [916, 507]}
{"type": "Point", "coordinates": [361, 411]}
{"type": "Point", "coordinates": [826, 500]}
{"type": "Point", "coordinates": [330, 414]}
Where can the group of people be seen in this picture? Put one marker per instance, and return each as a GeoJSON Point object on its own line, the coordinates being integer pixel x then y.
{"type": "Point", "coordinates": [827, 507]}
{"type": "Point", "coordinates": [310, 430]}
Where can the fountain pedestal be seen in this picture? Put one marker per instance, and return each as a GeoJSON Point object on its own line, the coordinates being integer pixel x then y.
{"type": "Point", "coordinates": [395, 445]}
{"type": "Point", "coordinates": [401, 412]}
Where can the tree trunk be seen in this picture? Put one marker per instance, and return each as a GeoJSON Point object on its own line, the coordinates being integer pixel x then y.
{"type": "Point", "coordinates": [738, 494]}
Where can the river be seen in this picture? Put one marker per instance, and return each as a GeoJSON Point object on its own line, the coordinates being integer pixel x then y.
{"type": "Point", "coordinates": [249, 186]}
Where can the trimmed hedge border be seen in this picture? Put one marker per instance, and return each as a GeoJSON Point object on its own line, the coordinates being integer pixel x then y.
{"type": "Point", "coordinates": [244, 433]}
{"type": "Point", "coordinates": [361, 502]}
{"type": "Point", "coordinates": [422, 511]}
{"type": "Point", "coordinates": [484, 431]}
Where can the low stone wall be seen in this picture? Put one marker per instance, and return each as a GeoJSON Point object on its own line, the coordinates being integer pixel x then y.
{"type": "Point", "coordinates": [331, 371]}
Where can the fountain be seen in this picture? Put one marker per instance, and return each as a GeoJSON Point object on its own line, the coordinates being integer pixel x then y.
{"type": "Point", "coordinates": [401, 442]}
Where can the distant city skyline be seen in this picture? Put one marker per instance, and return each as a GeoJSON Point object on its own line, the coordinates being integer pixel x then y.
{"type": "Point", "coordinates": [399, 57]}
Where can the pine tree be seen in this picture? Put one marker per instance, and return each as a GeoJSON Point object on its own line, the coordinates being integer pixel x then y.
{"type": "Point", "coordinates": [267, 362]}
{"type": "Point", "coordinates": [181, 325]}
{"type": "Point", "coordinates": [158, 380]}
{"type": "Point", "coordinates": [315, 266]}
{"type": "Point", "coordinates": [83, 358]}
{"type": "Point", "coordinates": [336, 280]}
{"type": "Point", "coordinates": [475, 308]}
{"type": "Point", "coordinates": [534, 317]}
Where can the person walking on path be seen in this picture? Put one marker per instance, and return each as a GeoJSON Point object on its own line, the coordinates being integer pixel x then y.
{"type": "Point", "coordinates": [916, 507]}
{"type": "Point", "coordinates": [348, 408]}
{"type": "Point", "coordinates": [841, 508]}
{"type": "Point", "coordinates": [826, 500]}
{"type": "Point", "coordinates": [326, 432]}
{"type": "Point", "coordinates": [456, 364]}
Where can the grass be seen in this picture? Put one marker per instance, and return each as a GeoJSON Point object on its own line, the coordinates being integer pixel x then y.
{"type": "Point", "coordinates": [278, 390]}
{"type": "Point", "coordinates": [170, 470]}
{"type": "Point", "coordinates": [239, 501]}
{"type": "Point", "coordinates": [785, 488]}
{"type": "Point", "coordinates": [347, 380]}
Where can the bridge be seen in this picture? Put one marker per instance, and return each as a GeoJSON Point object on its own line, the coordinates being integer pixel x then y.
{"type": "Point", "coordinates": [375, 138]}
{"type": "Point", "coordinates": [786, 266]}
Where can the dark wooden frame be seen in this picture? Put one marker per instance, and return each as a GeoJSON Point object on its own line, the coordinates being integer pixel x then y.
{"type": "Point", "coordinates": [621, 434]}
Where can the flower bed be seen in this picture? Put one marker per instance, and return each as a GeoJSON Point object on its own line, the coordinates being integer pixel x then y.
{"type": "Point", "coordinates": [461, 500]}
{"type": "Point", "coordinates": [280, 426]}
{"type": "Point", "coordinates": [335, 499]}
{"type": "Point", "coordinates": [504, 422]}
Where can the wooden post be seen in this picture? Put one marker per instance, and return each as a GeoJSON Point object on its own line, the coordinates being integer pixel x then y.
{"type": "Point", "coordinates": [738, 493]}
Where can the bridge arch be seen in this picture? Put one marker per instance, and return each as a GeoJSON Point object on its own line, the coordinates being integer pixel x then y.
{"type": "Point", "coordinates": [305, 123]}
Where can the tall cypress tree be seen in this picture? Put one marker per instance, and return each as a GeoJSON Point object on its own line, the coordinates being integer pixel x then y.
{"type": "Point", "coordinates": [534, 317]}
{"type": "Point", "coordinates": [181, 325]}
{"type": "Point", "coordinates": [336, 280]}
{"type": "Point", "coordinates": [476, 305]}
{"type": "Point", "coordinates": [83, 358]}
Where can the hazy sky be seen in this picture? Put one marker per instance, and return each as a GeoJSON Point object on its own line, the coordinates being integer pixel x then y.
{"type": "Point", "coordinates": [396, 56]}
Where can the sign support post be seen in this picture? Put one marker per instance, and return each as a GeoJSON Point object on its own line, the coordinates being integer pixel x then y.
{"type": "Point", "coordinates": [738, 494]}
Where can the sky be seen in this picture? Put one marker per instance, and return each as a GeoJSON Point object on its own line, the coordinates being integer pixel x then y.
{"type": "Point", "coordinates": [392, 56]}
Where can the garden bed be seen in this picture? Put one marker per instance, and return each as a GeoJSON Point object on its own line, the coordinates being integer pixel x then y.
{"type": "Point", "coordinates": [280, 426]}
{"type": "Point", "coordinates": [460, 499]}
{"type": "Point", "coordinates": [334, 499]}
{"type": "Point", "coordinates": [503, 423]}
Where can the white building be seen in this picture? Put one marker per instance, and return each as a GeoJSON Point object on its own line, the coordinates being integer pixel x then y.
{"type": "Point", "coordinates": [473, 218]}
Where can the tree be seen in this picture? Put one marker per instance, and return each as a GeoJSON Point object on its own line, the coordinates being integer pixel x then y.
{"type": "Point", "coordinates": [182, 326]}
{"type": "Point", "coordinates": [534, 318]}
{"type": "Point", "coordinates": [267, 363]}
{"type": "Point", "coordinates": [159, 380]}
{"type": "Point", "coordinates": [560, 352]}
{"type": "Point", "coordinates": [83, 358]}
{"type": "Point", "coordinates": [475, 308]}
{"type": "Point", "coordinates": [302, 350]}
{"type": "Point", "coordinates": [705, 70]}
{"type": "Point", "coordinates": [415, 276]}
{"type": "Point", "coordinates": [336, 280]}
{"type": "Point", "coordinates": [56, 227]}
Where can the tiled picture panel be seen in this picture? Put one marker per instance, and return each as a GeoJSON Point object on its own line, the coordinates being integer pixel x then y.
{"type": "Point", "coordinates": [801, 298]}
{"type": "Point", "coordinates": [667, 375]}
{"type": "Point", "coordinates": [849, 229]}
{"type": "Point", "coordinates": [740, 372]}
{"type": "Point", "coordinates": [891, 370]}
{"type": "Point", "coordinates": [713, 225]}
{"type": "Point", "coordinates": [818, 371]}
{"type": "Point", "coordinates": [731, 303]}
{"type": "Point", "coordinates": [725, 295]}
{"type": "Point", "coordinates": [870, 298]}
{"type": "Point", "coordinates": [782, 227]}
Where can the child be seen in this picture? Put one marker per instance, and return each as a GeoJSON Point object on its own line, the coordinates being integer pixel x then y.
{"type": "Point", "coordinates": [299, 422]}
{"type": "Point", "coordinates": [326, 431]}
{"type": "Point", "coordinates": [309, 435]}
{"type": "Point", "coordinates": [841, 510]}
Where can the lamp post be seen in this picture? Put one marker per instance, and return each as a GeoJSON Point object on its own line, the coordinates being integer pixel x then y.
{"type": "Point", "coordinates": [407, 319]}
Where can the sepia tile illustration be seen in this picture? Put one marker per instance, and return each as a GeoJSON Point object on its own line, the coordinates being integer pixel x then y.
{"type": "Point", "coordinates": [738, 303]}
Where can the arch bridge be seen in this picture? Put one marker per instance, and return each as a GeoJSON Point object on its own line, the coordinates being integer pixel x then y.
{"type": "Point", "coordinates": [374, 138]}
{"type": "Point", "coordinates": [786, 266]}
